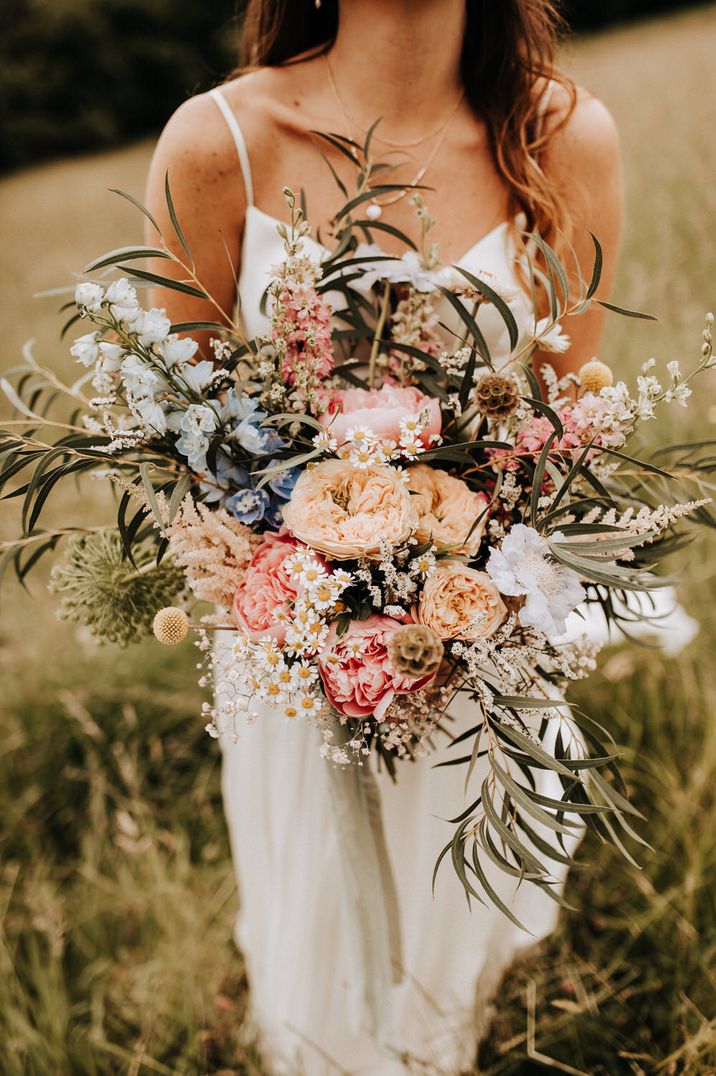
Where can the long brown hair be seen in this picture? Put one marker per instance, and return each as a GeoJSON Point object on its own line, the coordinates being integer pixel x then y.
{"type": "Point", "coordinates": [509, 53]}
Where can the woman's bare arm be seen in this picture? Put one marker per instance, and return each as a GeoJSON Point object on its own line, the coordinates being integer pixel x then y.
{"type": "Point", "coordinates": [198, 152]}
{"type": "Point", "coordinates": [583, 160]}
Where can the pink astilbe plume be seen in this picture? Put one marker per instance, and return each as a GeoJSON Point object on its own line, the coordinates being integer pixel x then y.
{"type": "Point", "coordinates": [213, 548]}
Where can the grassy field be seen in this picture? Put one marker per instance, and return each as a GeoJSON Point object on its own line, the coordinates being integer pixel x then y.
{"type": "Point", "coordinates": [116, 892]}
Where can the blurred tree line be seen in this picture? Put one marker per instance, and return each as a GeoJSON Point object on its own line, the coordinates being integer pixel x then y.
{"type": "Point", "coordinates": [82, 75]}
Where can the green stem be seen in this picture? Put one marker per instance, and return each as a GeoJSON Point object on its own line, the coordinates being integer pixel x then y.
{"type": "Point", "coordinates": [380, 325]}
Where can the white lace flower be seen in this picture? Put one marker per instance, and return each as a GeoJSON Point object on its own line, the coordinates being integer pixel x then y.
{"type": "Point", "coordinates": [524, 566]}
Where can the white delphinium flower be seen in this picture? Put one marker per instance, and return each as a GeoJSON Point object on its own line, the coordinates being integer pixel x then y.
{"type": "Point", "coordinates": [524, 566]}
{"type": "Point", "coordinates": [152, 326]}
{"type": "Point", "coordinates": [85, 349]}
{"type": "Point", "coordinates": [111, 356]}
{"type": "Point", "coordinates": [151, 415]}
{"type": "Point", "coordinates": [175, 351]}
{"type": "Point", "coordinates": [140, 379]}
{"type": "Point", "coordinates": [89, 296]}
{"type": "Point", "coordinates": [198, 377]}
{"type": "Point", "coordinates": [123, 302]}
{"type": "Point", "coordinates": [549, 335]}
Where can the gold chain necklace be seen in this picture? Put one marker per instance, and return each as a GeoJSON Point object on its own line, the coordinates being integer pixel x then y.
{"type": "Point", "coordinates": [375, 209]}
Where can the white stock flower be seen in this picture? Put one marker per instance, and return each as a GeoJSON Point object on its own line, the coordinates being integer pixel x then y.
{"type": "Point", "coordinates": [89, 296]}
{"type": "Point", "coordinates": [524, 566]}
{"type": "Point", "coordinates": [85, 350]}
{"type": "Point", "coordinates": [550, 336]}
{"type": "Point", "coordinates": [152, 325]}
{"type": "Point", "coordinates": [122, 298]}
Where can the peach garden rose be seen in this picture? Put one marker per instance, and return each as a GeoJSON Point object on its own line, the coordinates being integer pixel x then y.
{"type": "Point", "coordinates": [460, 602]}
{"type": "Point", "coordinates": [447, 508]}
{"type": "Point", "coordinates": [344, 511]}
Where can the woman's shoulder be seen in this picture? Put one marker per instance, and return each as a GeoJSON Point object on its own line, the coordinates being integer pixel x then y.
{"type": "Point", "coordinates": [198, 137]}
{"type": "Point", "coordinates": [577, 123]}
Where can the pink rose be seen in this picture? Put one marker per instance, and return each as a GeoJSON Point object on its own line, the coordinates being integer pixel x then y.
{"type": "Point", "coordinates": [358, 677]}
{"type": "Point", "coordinates": [266, 592]}
{"type": "Point", "coordinates": [381, 410]}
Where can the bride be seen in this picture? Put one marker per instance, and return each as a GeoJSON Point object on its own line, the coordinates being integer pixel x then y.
{"type": "Point", "coordinates": [471, 106]}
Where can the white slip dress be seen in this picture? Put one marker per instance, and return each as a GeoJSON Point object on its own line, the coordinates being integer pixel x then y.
{"type": "Point", "coordinates": [292, 926]}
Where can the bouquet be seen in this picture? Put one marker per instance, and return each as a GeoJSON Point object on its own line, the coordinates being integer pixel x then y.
{"type": "Point", "coordinates": [386, 514]}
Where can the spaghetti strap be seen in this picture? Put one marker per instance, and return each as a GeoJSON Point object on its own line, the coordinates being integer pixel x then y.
{"type": "Point", "coordinates": [239, 141]}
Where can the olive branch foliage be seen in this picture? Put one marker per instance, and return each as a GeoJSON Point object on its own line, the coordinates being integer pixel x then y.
{"type": "Point", "coordinates": [506, 821]}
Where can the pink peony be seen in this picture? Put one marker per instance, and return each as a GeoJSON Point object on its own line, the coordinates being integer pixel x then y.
{"type": "Point", "coordinates": [358, 677]}
{"type": "Point", "coordinates": [266, 592]}
{"type": "Point", "coordinates": [381, 410]}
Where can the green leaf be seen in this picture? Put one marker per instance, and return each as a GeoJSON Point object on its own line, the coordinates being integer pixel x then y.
{"type": "Point", "coordinates": [497, 301]}
{"type": "Point", "coordinates": [470, 324]}
{"type": "Point", "coordinates": [197, 326]}
{"type": "Point", "coordinates": [626, 313]}
{"type": "Point", "coordinates": [125, 254]}
{"type": "Point", "coordinates": [164, 281]}
{"type": "Point", "coordinates": [135, 202]}
{"type": "Point", "coordinates": [173, 217]}
{"type": "Point", "coordinates": [145, 471]}
{"type": "Point", "coordinates": [523, 797]}
{"type": "Point", "coordinates": [597, 270]}
{"type": "Point", "coordinates": [538, 477]}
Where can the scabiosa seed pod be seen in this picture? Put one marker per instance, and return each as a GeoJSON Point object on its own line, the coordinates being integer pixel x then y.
{"type": "Point", "coordinates": [170, 625]}
{"type": "Point", "coordinates": [595, 376]}
{"type": "Point", "coordinates": [496, 396]}
{"type": "Point", "coordinates": [415, 651]}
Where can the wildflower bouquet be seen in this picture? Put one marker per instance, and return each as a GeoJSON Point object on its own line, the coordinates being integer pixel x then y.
{"type": "Point", "coordinates": [387, 513]}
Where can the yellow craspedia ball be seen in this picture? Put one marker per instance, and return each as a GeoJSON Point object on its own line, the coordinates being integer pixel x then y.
{"type": "Point", "coordinates": [595, 376]}
{"type": "Point", "coordinates": [171, 625]}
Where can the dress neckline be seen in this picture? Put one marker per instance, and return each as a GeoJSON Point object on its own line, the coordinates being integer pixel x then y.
{"type": "Point", "coordinates": [458, 261]}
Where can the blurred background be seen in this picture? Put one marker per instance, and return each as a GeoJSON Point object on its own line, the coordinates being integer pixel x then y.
{"type": "Point", "coordinates": [116, 891]}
